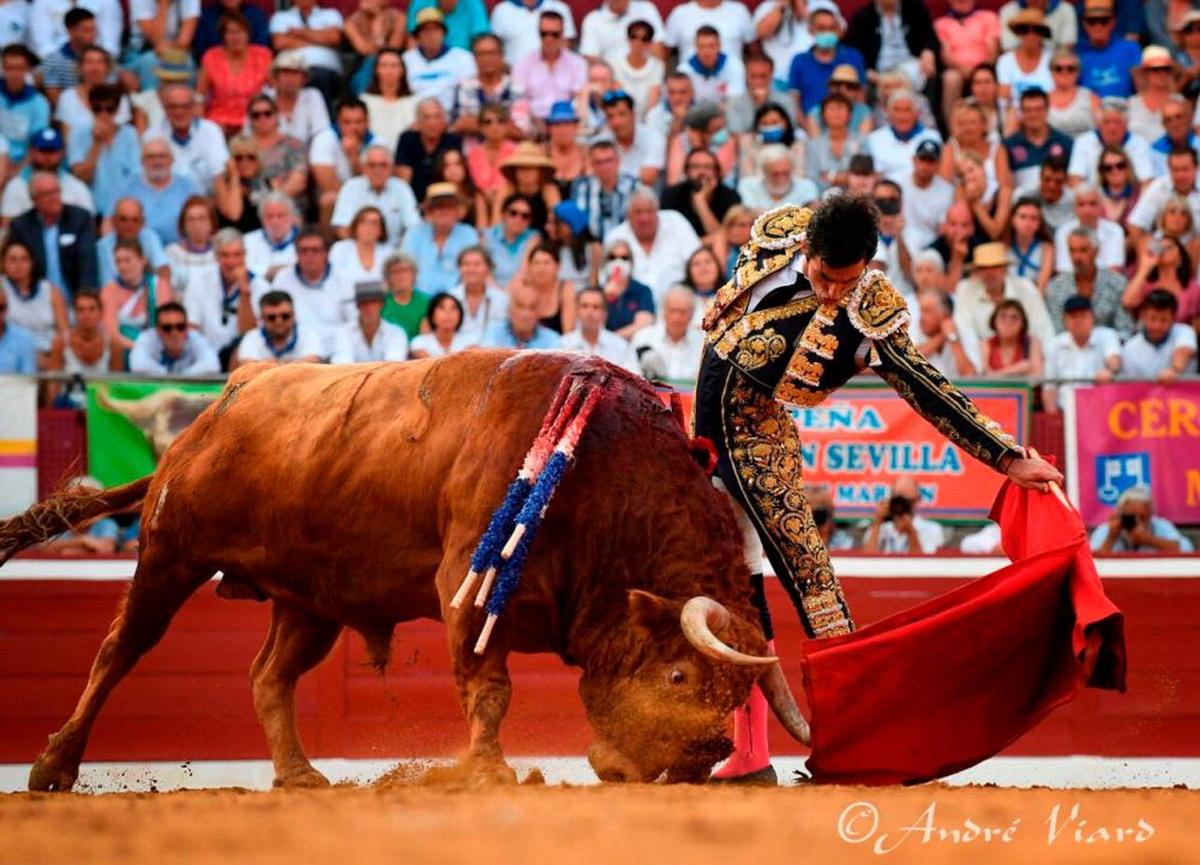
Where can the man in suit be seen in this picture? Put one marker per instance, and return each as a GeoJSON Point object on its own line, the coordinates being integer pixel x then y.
{"type": "Point", "coordinates": [61, 236]}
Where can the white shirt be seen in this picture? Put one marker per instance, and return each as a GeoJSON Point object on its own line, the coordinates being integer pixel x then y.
{"type": "Point", "coordinates": [647, 150]}
{"type": "Point", "coordinates": [680, 360]}
{"type": "Point", "coordinates": [1154, 198]}
{"type": "Point", "coordinates": [730, 81]}
{"type": "Point", "coordinates": [517, 25]}
{"type": "Point", "coordinates": [48, 30]}
{"type": "Point", "coordinates": [604, 33]}
{"type": "Point", "coordinates": [930, 535]}
{"type": "Point", "coordinates": [396, 201]}
{"type": "Point", "coordinates": [322, 308]}
{"type": "Point", "coordinates": [924, 210]}
{"type": "Point", "coordinates": [731, 20]}
{"type": "Point", "coordinates": [793, 37]}
{"type": "Point", "coordinates": [664, 264]}
{"type": "Point", "coordinates": [76, 114]}
{"type": "Point", "coordinates": [428, 343]}
{"type": "Point", "coordinates": [494, 308]}
{"type": "Point", "coordinates": [973, 308]}
{"type": "Point", "coordinates": [321, 18]}
{"type": "Point", "coordinates": [389, 118]}
{"type": "Point", "coordinates": [1065, 359]}
{"type": "Point", "coordinates": [1141, 359]}
{"type": "Point", "coordinates": [755, 195]}
{"type": "Point", "coordinates": [202, 157]}
{"type": "Point", "coordinates": [1110, 235]}
{"type": "Point", "coordinates": [309, 115]}
{"type": "Point", "coordinates": [390, 343]}
{"type": "Point", "coordinates": [438, 77]}
{"type": "Point", "coordinates": [326, 149]}
{"type": "Point", "coordinates": [1085, 157]}
{"type": "Point", "coordinates": [893, 157]}
{"type": "Point", "coordinates": [254, 346]}
{"type": "Point", "coordinates": [146, 10]}
{"type": "Point", "coordinates": [262, 255]}
{"type": "Point", "coordinates": [944, 361]}
{"type": "Point", "coordinates": [14, 22]}
{"type": "Point", "coordinates": [611, 347]}
{"type": "Point", "coordinates": [16, 199]}
{"type": "Point", "coordinates": [147, 356]}
{"type": "Point", "coordinates": [206, 306]}
{"type": "Point", "coordinates": [343, 257]}
{"type": "Point", "coordinates": [1010, 74]}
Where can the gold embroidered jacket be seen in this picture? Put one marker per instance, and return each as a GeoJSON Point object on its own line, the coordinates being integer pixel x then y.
{"type": "Point", "coordinates": [801, 351]}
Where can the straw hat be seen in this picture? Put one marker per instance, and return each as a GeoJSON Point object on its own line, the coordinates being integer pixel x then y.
{"type": "Point", "coordinates": [527, 155]}
{"type": "Point", "coordinates": [1192, 17]}
{"type": "Point", "coordinates": [440, 192]}
{"type": "Point", "coordinates": [990, 255]}
{"type": "Point", "coordinates": [429, 15]}
{"type": "Point", "coordinates": [845, 74]}
{"type": "Point", "coordinates": [1156, 57]}
{"type": "Point", "coordinates": [1030, 18]}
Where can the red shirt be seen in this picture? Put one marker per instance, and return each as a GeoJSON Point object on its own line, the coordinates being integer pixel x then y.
{"type": "Point", "coordinates": [230, 92]}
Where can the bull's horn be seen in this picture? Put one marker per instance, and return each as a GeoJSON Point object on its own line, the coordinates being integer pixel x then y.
{"type": "Point", "coordinates": [134, 409]}
{"type": "Point", "coordinates": [698, 618]}
{"type": "Point", "coordinates": [779, 697]}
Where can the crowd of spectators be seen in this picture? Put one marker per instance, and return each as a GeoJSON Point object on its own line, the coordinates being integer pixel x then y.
{"type": "Point", "coordinates": [189, 186]}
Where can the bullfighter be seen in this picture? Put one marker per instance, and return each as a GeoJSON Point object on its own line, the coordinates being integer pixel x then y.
{"type": "Point", "coordinates": [802, 315]}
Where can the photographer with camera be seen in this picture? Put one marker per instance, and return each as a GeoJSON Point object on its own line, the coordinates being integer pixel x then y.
{"type": "Point", "coordinates": [820, 499]}
{"type": "Point", "coordinates": [896, 528]}
{"type": "Point", "coordinates": [1134, 528]}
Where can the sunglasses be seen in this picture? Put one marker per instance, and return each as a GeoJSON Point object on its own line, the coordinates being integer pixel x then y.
{"type": "Point", "coordinates": [488, 121]}
{"type": "Point", "coordinates": [259, 115]}
{"type": "Point", "coordinates": [1026, 29]}
{"type": "Point", "coordinates": [620, 258]}
{"type": "Point", "coordinates": [245, 157]}
{"type": "Point", "coordinates": [1192, 28]}
{"type": "Point", "coordinates": [550, 34]}
{"type": "Point", "coordinates": [1113, 166]}
{"type": "Point", "coordinates": [277, 316]}
{"type": "Point", "coordinates": [179, 327]}
{"type": "Point", "coordinates": [520, 214]}
{"type": "Point", "coordinates": [1098, 20]}
{"type": "Point", "coordinates": [310, 250]}
{"type": "Point", "coordinates": [1064, 67]}
{"type": "Point", "coordinates": [105, 109]}
{"type": "Point", "coordinates": [639, 37]}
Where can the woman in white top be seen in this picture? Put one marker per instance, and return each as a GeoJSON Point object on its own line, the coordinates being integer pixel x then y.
{"type": "Point", "coordinates": [73, 110]}
{"type": "Point", "coordinates": [483, 302]}
{"type": "Point", "coordinates": [968, 126]}
{"type": "Point", "coordinates": [359, 258]}
{"type": "Point", "coordinates": [193, 253]}
{"type": "Point", "coordinates": [1073, 108]}
{"type": "Point", "coordinates": [83, 350]}
{"type": "Point", "coordinates": [1155, 82]}
{"type": "Point", "coordinates": [391, 105]}
{"type": "Point", "coordinates": [1028, 65]}
{"type": "Point", "coordinates": [639, 73]}
{"type": "Point", "coordinates": [445, 317]}
{"type": "Point", "coordinates": [34, 304]}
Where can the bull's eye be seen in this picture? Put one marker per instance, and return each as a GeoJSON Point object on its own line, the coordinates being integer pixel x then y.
{"type": "Point", "coordinates": [678, 677]}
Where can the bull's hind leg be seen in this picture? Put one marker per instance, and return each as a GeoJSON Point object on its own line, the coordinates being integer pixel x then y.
{"type": "Point", "coordinates": [297, 642]}
{"type": "Point", "coordinates": [157, 592]}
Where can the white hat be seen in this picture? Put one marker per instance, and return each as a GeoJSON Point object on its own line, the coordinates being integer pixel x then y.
{"type": "Point", "coordinates": [826, 6]}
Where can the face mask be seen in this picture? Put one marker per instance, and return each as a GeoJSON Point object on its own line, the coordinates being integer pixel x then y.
{"type": "Point", "coordinates": [720, 137]}
{"type": "Point", "coordinates": [825, 41]}
{"type": "Point", "coordinates": [770, 134]}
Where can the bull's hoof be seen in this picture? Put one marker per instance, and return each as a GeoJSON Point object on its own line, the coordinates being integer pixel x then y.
{"type": "Point", "coordinates": [764, 777]}
{"type": "Point", "coordinates": [302, 779]}
{"type": "Point", "coordinates": [490, 774]}
{"type": "Point", "coordinates": [50, 775]}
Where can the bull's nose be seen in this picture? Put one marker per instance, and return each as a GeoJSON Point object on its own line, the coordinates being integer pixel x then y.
{"type": "Point", "coordinates": [610, 765]}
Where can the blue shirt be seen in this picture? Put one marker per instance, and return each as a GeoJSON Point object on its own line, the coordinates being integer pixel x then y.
{"type": "Point", "coordinates": [506, 257]}
{"type": "Point", "coordinates": [467, 21]}
{"type": "Point", "coordinates": [500, 335]}
{"type": "Point", "coordinates": [437, 269]}
{"type": "Point", "coordinates": [22, 115]}
{"type": "Point", "coordinates": [1159, 527]}
{"type": "Point", "coordinates": [54, 271]}
{"type": "Point", "coordinates": [162, 206]}
{"type": "Point", "coordinates": [156, 253]}
{"type": "Point", "coordinates": [1023, 153]}
{"type": "Point", "coordinates": [634, 299]}
{"type": "Point", "coordinates": [811, 77]}
{"type": "Point", "coordinates": [17, 353]}
{"type": "Point", "coordinates": [117, 166]}
{"type": "Point", "coordinates": [1105, 71]}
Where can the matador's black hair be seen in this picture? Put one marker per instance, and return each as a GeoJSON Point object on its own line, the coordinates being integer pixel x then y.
{"type": "Point", "coordinates": [844, 230]}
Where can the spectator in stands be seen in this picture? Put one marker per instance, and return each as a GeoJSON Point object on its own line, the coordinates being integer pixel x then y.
{"type": "Point", "coordinates": [220, 299]}
{"type": "Point", "coordinates": [954, 353]}
{"type": "Point", "coordinates": [161, 191]}
{"type": "Point", "coordinates": [630, 303]}
{"type": "Point", "coordinates": [516, 24]}
{"type": "Point", "coordinates": [315, 32]}
{"type": "Point", "coordinates": [420, 146]}
{"type": "Point", "coordinates": [1102, 287]}
{"type": "Point", "coordinates": [302, 109]}
{"type": "Point", "coordinates": [85, 348]}
{"type": "Point", "coordinates": [730, 18]}
{"type": "Point", "coordinates": [1181, 181]}
{"type": "Point", "coordinates": [197, 145]}
{"type": "Point", "coordinates": [1112, 130]}
{"type": "Point", "coordinates": [483, 302]}
{"type": "Point", "coordinates": [1035, 140]}
{"type": "Point", "coordinates": [129, 223]}
{"type": "Point", "coordinates": [231, 73]}
{"type": "Point", "coordinates": [435, 242]}
{"type": "Point", "coordinates": [928, 273]}
{"type": "Point", "coordinates": [491, 85]}
{"type": "Point", "coordinates": [93, 537]}
{"type": "Point", "coordinates": [717, 75]}
{"type": "Point", "coordinates": [283, 158]}
{"type": "Point", "coordinates": [443, 321]}
{"type": "Point", "coordinates": [522, 329]}
{"type": "Point", "coordinates": [208, 27]}
{"type": "Point", "coordinates": [368, 338]}
{"type": "Point", "coordinates": [661, 240]}
{"type": "Point", "coordinates": [810, 71]}
{"type": "Point", "coordinates": [336, 153]}
{"type": "Point", "coordinates": [1161, 349]}
{"type": "Point", "coordinates": [553, 72]}
{"type": "Point", "coordinates": [1059, 18]}
{"type": "Point", "coordinates": [604, 194]}
{"type": "Point", "coordinates": [895, 35]}
{"type": "Point", "coordinates": [465, 19]}
{"type": "Point", "coordinates": [131, 299]}
{"type": "Point", "coordinates": [323, 296]}
{"type": "Point", "coordinates": [376, 187]}
{"type": "Point", "coordinates": [1107, 61]}
{"type": "Point", "coordinates": [978, 297]}
{"type": "Point", "coordinates": [1177, 132]}
{"type": "Point", "coordinates": [670, 349]}
{"type": "Point", "coordinates": [830, 151]}
{"type": "Point", "coordinates": [451, 167]}
{"type": "Point", "coordinates": [897, 528]}
{"type": "Point", "coordinates": [703, 276]}
{"type": "Point", "coordinates": [104, 152]}
{"type": "Point", "coordinates": [495, 146]}
{"type": "Point", "coordinates": [555, 295]}
{"type": "Point", "coordinates": [969, 36]}
{"type": "Point", "coordinates": [1029, 243]}
{"type": "Point", "coordinates": [1165, 265]}
{"type": "Point", "coordinates": [375, 27]}
{"type": "Point", "coordinates": [273, 247]}
{"type": "Point", "coordinates": [773, 184]}
{"type": "Point", "coordinates": [435, 68]}
{"type": "Point", "coordinates": [33, 304]}
{"type": "Point", "coordinates": [1051, 191]}
{"type": "Point", "coordinates": [528, 172]}
{"type": "Point", "coordinates": [18, 351]}
{"type": "Point", "coordinates": [1082, 352]}
{"type": "Point", "coordinates": [605, 33]}
{"type": "Point", "coordinates": [578, 251]}
{"type": "Point", "coordinates": [771, 126]}
{"type": "Point", "coordinates": [927, 196]}
{"type": "Point", "coordinates": [820, 500]}
{"type": "Point", "coordinates": [1110, 236]}
{"type": "Point", "coordinates": [892, 254]}
{"type": "Point", "coordinates": [74, 104]}
{"type": "Point", "coordinates": [1119, 187]}
{"type": "Point", "coordinates": [642, 152]}
{"type": "Point", "coordinates": [359, 256]}
{"type": "Point", "coordinates": [158, 26]}
{"type": "Point", "coordinates": [636, 70]}
{"type": "Point", "coordinates": [701, 196]}
{"type": "Point", "coordinates": [1072, 107]}
{"type": "Point", "coordinates": [510, 240]}
{"type": "Point", "coordinates": [782, 30]}
{"type": "Point", "coordinates": [1135, 528]}
{"type": "Point", "coordinates": [405, 305]}
{"type": "Point", "coordinates": [240, 189]}
{"type": "Point", "coordinates": [1176, 220]}
{"type": "Point", "coordinates": [1187, 48]}
{"type": "Point", "coordinates": [60, 236]}
{"type": "Point", "coordinates": [1011, 351]}
{"type": "Point", "coordinates": [45, 154]}
{"type": "Point", "coordinates": [983, 87]}
{"type": "Point", "coordinates": [970, 139]}
{"type": "Point", "coordinates": [1155, 86]}
{"type": "Point", "coordinates": [894, 145]}
{"type": "Point", "coordinates": [281, 338]}
{"type": "Point", "coordinates": [60, 50]}
{"type": "Point", "coordinates": [590, 337]}
{"type": "Point", "coordinates": [703, 129]}
{"type": "Point", "coordinates": [956, 243]}
{"type": "Point", "coordinates": [171, 348]}
{"type": "Point", "coordinates": [391, 103]}
{"type": "Point", "coordinates": [1026, 65]}
{"type": "Point", "coordinates": [845, 82]}
{"type": "Point", "coordinates": [24, 110]}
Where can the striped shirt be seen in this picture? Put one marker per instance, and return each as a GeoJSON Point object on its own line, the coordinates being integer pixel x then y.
{"type": "Point", "coordinates": [605, 210]}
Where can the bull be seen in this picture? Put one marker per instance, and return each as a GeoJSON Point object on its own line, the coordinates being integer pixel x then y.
{"type": "Point", "coordinates": [353, 497]}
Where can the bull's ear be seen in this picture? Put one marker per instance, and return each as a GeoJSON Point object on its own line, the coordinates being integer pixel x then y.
{"type": "Point", "coordinates": [652, 612]}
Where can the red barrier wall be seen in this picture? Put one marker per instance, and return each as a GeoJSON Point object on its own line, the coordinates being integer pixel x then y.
{"type": "Point", "coordinates": [190, 697]}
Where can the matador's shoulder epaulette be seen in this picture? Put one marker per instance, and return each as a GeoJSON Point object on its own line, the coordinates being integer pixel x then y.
{"type": "Point", "coordinates": [781, 227]}
{"type": "Point", "coordinates": [875, 308]}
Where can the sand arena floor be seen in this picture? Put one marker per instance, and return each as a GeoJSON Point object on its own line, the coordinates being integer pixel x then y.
{"type": "Point", "coordinates": [419, 823]}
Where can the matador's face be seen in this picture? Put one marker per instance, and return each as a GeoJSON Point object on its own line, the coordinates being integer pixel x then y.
{"type": "Point", "coordinates": [831, 284]}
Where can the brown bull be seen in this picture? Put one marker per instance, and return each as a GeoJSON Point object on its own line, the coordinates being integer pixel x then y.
{"type": "Point", "coordinates": [353, 497]}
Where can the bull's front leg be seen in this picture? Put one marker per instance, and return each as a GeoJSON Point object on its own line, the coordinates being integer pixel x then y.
{"type": "Point", "coordinates": [484, 688]}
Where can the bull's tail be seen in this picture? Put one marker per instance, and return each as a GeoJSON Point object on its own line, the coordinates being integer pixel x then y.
{"type": "Point", "coordinates": [65, 510]}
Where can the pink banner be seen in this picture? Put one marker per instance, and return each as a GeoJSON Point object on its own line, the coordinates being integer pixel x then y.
{"type": "Point", "coordinates": [1130, 434]}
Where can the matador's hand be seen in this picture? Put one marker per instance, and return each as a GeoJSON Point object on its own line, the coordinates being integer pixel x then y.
{"type": "Point", "coordinates": [1033, 473]}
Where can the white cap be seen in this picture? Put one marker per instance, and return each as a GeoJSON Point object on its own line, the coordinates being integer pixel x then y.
{"type": "Point", "coordinates": [826, 6]}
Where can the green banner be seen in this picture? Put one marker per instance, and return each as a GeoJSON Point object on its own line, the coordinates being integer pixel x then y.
{"type": "Point", "coordinates": [131, 424]}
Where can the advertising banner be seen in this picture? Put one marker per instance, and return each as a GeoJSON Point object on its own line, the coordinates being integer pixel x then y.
{"type": "Point", "coordinates": [18, 444]}
{"type": "Point", "coordinates": [1136, 434]}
